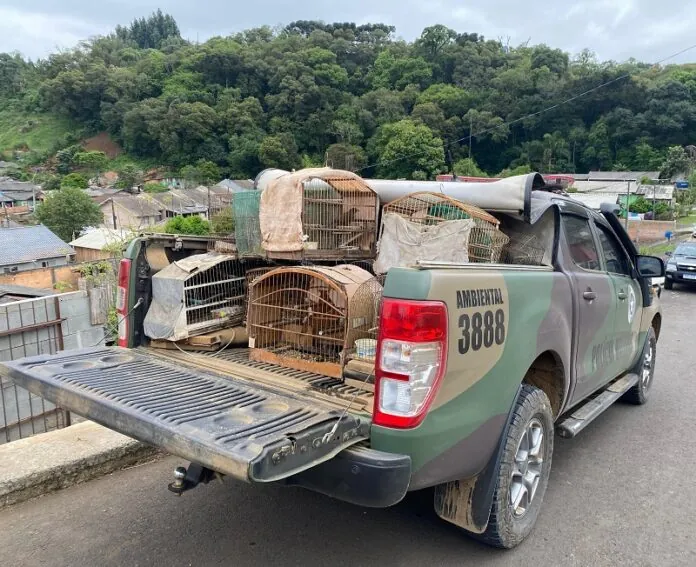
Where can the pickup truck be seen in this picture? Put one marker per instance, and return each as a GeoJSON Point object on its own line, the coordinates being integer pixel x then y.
{"type": "Point", "coordinates": [477, 366]}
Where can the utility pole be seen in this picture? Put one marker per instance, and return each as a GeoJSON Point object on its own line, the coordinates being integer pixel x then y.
{"type": "Point", "coordinates": [209, 202]}
{"type": "Point", "coordinates": [628, 202]}
{"type": "Point", "coordinates": [471, 133]}
{"type": "Point", "coordinates": [113, 213]}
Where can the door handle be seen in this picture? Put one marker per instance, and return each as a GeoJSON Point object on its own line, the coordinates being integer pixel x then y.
{"type": "Point", "coordinates": [589, 295]}
{"type": "Point", "coordinates": [622, 295]}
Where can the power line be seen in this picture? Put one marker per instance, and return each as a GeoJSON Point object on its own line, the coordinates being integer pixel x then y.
{"type": "Point", "coordinates": [533, 114]}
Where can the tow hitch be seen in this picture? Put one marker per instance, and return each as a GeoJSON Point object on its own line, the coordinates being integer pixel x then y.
{"type": "Point", "coordinates": [186, 479]}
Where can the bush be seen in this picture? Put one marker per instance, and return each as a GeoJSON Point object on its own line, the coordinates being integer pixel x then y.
{"type": "Point", "coordinates": [223, 222]}
{"type": "Point", "coordinates": [74, 180]}
{"type": "Point", "coordinates": [187, 225]}
{"type": "Point", "coordinates": [154, 187]}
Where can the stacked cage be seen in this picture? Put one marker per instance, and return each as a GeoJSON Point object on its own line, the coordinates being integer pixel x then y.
{"type": "Point", "coordinates": [306, 317]}
{"type": "Point", "coordinates": [426, 209]}
{"type": "Point", "coordinates": [339, 217]}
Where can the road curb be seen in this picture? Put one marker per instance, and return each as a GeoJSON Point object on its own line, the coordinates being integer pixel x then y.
{"type": "Point", "coordinates": [50, 461]}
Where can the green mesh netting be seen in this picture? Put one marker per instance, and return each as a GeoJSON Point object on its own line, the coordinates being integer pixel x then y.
{"type": "Point", "coordinates": [447, 212]}
{"type": "Point", "coordinates": [247, 230]}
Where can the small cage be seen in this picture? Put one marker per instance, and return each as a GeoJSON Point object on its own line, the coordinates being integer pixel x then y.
{"type": "Point", "coordinates": [247, 231]}
{"type": "Point", "coordinates": [524, 249]}
{"type": "Point", "coordinates": [319, 215]}
{"type": "Point", "coordinates": [363, 325]}
{"type": "Point", "coordinates": [302, 317]}
{"type": "Point", "coordinates": [485, 240]}
{"type": "Point", "coordinates": [196, 295]}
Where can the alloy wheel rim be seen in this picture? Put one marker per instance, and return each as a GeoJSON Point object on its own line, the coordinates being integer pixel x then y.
{"type": "Point", "coordinates": [647, 372]}
{"type": "Point", "coordinates": [527, 468]}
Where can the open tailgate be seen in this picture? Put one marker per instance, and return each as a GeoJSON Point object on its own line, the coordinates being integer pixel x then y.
{"type": "Point", "coordinates": [227, 424]}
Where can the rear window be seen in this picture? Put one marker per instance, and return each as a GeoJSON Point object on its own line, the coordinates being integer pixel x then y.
{"type": "Point", "coordinates": [581, 242]}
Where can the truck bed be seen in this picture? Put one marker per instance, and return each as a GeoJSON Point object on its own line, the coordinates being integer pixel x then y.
{"type": "Point", "coordinates": [253, 421]}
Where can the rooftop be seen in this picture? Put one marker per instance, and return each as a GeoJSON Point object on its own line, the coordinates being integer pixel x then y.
{"type": "Point", "coordinates": [622, 175]}
{"type": "Point", "coordinates": [100, 238]}
{"type": "Point", "coordinates": [140, 205]}
{"type": "Point", "coordinates": [30, 244]}
{"type": "Point", "coordinates": [12, 293]}
{"type": "Point", "coordinates": [235, 185]}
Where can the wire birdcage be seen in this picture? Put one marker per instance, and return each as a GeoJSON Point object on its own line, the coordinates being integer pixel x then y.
{"type": "Point", "coordinates": [301, 317]}
{"type": "Point", "coordinates": [524, 249]}
{"type": "Point", "coordinates": [363, 325]}
{"type": "Point", "coordinates": [247, 230]}
{"type": "Point", "coordinates": [196, 295]}
{"type": "Point", "coordinates": [486, 241]}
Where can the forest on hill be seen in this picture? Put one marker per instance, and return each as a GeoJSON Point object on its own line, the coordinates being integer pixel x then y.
{"type": "Point", "coordinates": [356, 97]}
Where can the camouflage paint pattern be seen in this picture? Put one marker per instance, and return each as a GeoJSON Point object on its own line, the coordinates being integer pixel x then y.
{"type": "Point", "coordinates": [537, 309]}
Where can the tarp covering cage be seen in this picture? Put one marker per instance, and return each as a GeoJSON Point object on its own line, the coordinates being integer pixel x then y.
{"type": "Point", "coordinates": [195, 295]}
{"type": "Point", "coordinates": [318, 213]}
{"type": "Point", "coordinates": [436, 228]}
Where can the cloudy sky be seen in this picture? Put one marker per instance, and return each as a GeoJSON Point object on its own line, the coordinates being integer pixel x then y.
{"type": "Point", "coordinates": [615, 29]}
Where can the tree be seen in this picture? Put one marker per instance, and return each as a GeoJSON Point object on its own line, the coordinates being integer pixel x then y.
{"type": "Point", "coordinates": [94, 162]}
{"type": "Point", "coordinates": [406, 147]}
{"type": "Point", "coordinates": [129, 176]}
{"type": "Point", "coordinates": [512, 171]}
{"type": "Point", "coordinates": [187, 225]}
{"type": "Point", "coordinates": [279, 151]}
{"type": "Point", "coordinates": [74, 180]}
{"type": "Point", "coordinates": [346, 156]}
{"type": "Point", "coordinates": [467, 168]}
{"type": "Point", "coordinates": [68, 211]}
{"type": "Point", "coordinates": [208, 172]}
{"type": "Point", "coordinates": [677, 162]}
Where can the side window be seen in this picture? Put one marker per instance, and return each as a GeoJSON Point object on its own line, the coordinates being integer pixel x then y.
{"type": "Point", "coordinates": [614, 256]}
{"type": "Point", "coordinates": [580, 242]}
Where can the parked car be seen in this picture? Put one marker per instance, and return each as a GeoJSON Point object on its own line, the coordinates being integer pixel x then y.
{"type": "Point", "coordinates": [681, 267]}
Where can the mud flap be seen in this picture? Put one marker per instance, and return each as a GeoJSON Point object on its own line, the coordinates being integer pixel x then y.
{"type": "Point", "coordinates": [232, 426]}
{"type": "Point", "coordinates": [467, 503]}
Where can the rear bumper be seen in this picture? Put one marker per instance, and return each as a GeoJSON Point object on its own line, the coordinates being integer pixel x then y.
{"type": "Point", "coordinates": [361, 476]}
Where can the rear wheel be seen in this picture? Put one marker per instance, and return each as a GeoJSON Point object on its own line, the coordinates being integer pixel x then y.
{"type": "Point", "coordinates": [669, 284]}
{"type": "Point", "coordinates": [645, 368]}
{"type": "Point", "coordinates": [524, 471]}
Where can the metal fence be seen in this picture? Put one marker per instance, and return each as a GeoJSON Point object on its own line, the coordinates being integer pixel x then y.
{"type": "Point", "coordinates": [27, 328]}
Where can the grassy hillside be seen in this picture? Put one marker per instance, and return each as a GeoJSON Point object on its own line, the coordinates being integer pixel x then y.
{"type": "Point", "coordinates": [38, 132]}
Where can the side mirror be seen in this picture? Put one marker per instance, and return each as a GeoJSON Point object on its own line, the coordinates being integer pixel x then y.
{"type": "Point", "coordinates": [650, 267]}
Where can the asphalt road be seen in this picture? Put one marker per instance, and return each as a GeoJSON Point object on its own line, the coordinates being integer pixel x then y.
{"type": "Point", "coordinates": [620, 494]}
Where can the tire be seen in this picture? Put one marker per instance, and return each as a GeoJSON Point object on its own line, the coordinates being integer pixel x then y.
{"type": "Point", "coordinates": [645, 368]}
{"type": "Point", "coordinates": [669, 284]}
{"type": "Point", "coordinates": [510, 524]}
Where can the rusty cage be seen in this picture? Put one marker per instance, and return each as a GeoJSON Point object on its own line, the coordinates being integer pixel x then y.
{"type": "Point", "coordinates": [486, 241]}
{"type": "Point", "coordinates": [306, 317]}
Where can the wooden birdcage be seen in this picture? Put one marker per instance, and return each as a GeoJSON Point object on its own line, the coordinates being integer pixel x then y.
{"type": "Point", "coordinates": [304, 317]}
{"type": "Point", "coordinates": [486, 241]}
{"type": "Point", "coordinates": [319, 215]}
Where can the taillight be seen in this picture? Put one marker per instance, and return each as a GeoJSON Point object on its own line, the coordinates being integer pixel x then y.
{"type": "Point", "coordinates": [124, 269]}
{"type": "Point", "coordinates": [410, 363]}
